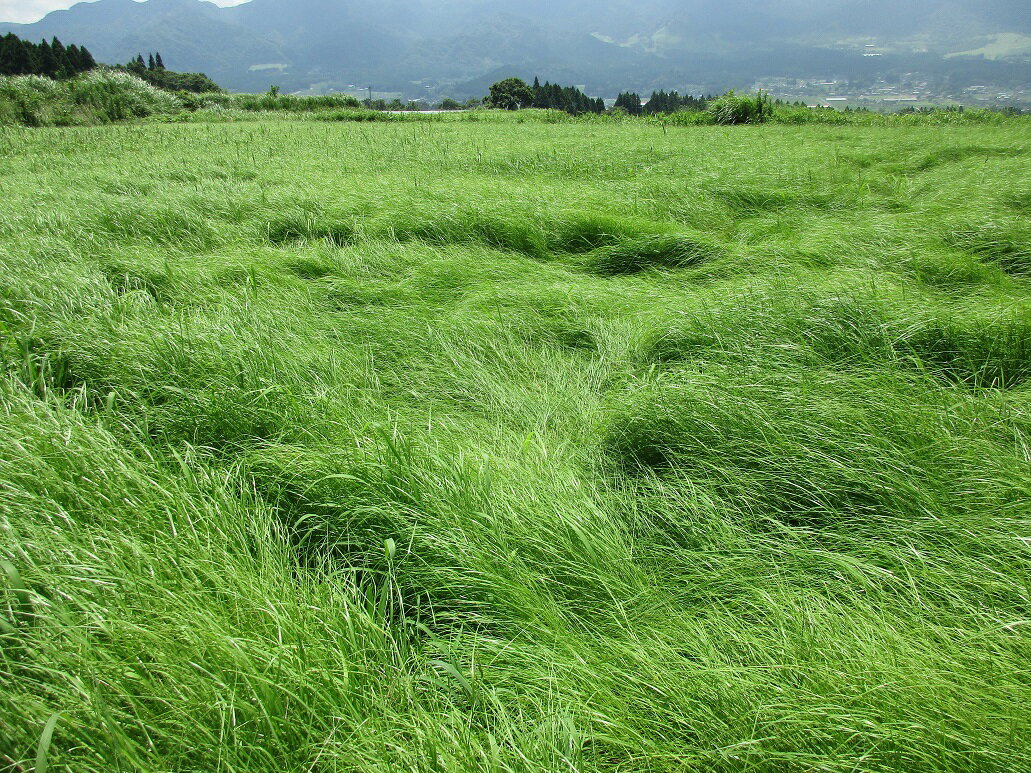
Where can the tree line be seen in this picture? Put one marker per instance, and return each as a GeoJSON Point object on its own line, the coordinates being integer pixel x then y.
{"type": "Point", "coordinates": [514, 94]}
{"type": "Point", "coordinates": [152, 70]}
{"type": "Point", "coordinates": [661, 102]}
{"type": "Point", "coordinates": [53, 59]}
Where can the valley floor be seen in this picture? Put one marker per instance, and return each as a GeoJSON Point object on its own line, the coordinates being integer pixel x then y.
{"type": "Point", "coordinates": [457, 446]}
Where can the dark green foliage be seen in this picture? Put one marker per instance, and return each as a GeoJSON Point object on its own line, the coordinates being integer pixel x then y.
{"type": "Point", "coordinates": [513, 94]}
{"type": "Point", "coordinates": [509, 94]}
{"type": "Point", "coordinates": [53, 59]}
{"type": "Point", "coordinates": [630, 102]}
{"type": "Point", "coordinates": [153, 72]}
{"type": "Point", "coordinates": [672, 102]}
{"type": "Point", "coordinates": [569, 99]}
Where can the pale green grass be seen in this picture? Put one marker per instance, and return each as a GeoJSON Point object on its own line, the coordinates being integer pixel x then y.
{"type": "Point", "coordinates": [515, 446]}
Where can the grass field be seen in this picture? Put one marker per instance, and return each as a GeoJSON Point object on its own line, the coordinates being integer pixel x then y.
{"type": "Point", "coordinates": [481, 445]}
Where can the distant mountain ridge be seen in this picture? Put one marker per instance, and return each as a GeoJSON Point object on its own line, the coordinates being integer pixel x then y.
{"type": "Point", "coordinates": [408, 44]}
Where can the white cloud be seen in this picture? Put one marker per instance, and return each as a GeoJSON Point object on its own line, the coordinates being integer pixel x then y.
{"type": "Point", "coordinates": [25, 11]}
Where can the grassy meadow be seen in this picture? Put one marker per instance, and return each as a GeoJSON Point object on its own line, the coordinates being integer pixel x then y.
{"type": "Point", "coordinates": [485, 445]}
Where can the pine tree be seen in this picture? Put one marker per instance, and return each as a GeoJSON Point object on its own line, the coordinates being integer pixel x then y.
{"type": "Point", "coordinates": [23, 58]}
{"type": "Point", "coordinates": [157, 61]}
{"type": "Point", "coordinates": [7, 43]}
{"type": "Point", "coordinates": [630, 102]}
{"type": "Point", "coordinates": [150, 62]}
{"type": "Point", "coordinates": [64, 65]}
{"type": "Point", "coordinates": [86, 60]}
{"type": "Point", "coordinates": [74, 58]}
{"type": "Point", "coordinates": [137, 65]}
{"type": "Point", "coordinates": [46, 62]}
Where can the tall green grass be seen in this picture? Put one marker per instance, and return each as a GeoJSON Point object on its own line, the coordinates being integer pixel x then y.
{"type": "Point", "coordinates": [485, 445]}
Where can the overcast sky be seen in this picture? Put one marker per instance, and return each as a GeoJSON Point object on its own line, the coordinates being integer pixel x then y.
{"type": "Point", "coordinates": [34, 10]}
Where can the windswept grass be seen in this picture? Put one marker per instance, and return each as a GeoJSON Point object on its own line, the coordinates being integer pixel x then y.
{"type": "Point", "coordinates": [511, 443]}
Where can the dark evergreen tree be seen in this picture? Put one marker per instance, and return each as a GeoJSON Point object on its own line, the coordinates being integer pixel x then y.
{"type": "Point", "coordinates": [7, 54]}
{"type": "Point", "coordinates": [65, 68]}
{"type": "Point", "coordinates": [25, 58]}
{"type": "Point", "coordinates": [150, 62]}
{"type": "Point", "coordinates": [74, 58]}
{"type": "Point", "coordinates": [53, 59]}
{"type": "Point", "coordinates": [46, 62]}
{"type": "Point", "coordinates": [630, 102]}
{"type": "Point", "coordinates": [157, 61]}
{"type": "Point", "coordinates": [86, 60]}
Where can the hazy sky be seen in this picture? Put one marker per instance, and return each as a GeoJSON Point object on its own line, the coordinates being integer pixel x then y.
{"type": "Point", "coordinates": [34, 10]}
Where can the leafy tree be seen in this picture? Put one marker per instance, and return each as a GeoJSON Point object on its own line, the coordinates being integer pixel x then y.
{"type": "Point", "coordinates": [449, 104]}
{"type": "Point", "coordinates": [510, 94]}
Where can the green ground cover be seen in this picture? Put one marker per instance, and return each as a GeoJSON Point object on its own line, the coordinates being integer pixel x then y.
{"type": "Point", "coordinates": [515, 446]}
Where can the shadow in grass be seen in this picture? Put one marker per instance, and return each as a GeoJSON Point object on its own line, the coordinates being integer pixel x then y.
{"type": "Point", "coordinates": [509, 234]}
{"type": "Point", "coordinates": [853, 334]}
{"type": "Point", "coordinates": [1006, 244]}
{"type": "Point", "coordinates": [747, 200]}
{"type": "Point", "coordinates": [1019, 201]}
{"type": "Point", "coordinates": [655, 251]}
{"type": "Point", "coordinates": [124, 279]}
{"type": "Point", "coordinates": [945, 156]}
{"type": "Point", "coordinates": [300, 228]}
{"type": "Point", "coordinates": [310, 269]}
{"type": "Point", "coordinates": [383, 511]}
{"type": "Point", "coordinates": [979, 355]}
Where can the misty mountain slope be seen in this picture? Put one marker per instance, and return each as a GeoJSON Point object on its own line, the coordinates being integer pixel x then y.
{"type": "Point", "coordinates": [608, 45]}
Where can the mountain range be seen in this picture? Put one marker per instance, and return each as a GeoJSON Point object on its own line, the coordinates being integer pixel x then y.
{"type": "Point", "coordinates": [457, 47]}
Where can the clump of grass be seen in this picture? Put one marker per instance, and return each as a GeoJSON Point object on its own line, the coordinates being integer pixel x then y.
{"type": "Point", "coordinates": [734, 108]}
{"type": "Point", "coordinates": [580, 232]}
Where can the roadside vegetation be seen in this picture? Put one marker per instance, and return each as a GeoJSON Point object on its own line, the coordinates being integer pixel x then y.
{"type": "Point", "coordinates": [515, 441]}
